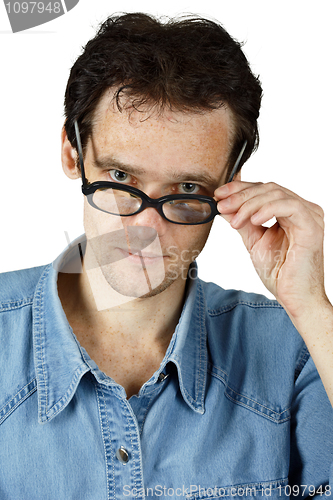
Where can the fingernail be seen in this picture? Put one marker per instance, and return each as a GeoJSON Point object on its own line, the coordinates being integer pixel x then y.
{"type": "Point", "coordinates": [224, 203]}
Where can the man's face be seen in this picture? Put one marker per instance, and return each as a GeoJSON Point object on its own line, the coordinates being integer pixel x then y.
{"type": "Point", "coordinates": [170, 154]}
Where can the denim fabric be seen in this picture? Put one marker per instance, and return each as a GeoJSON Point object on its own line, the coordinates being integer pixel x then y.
{"type": "Point", "coordinates": [235, 410]}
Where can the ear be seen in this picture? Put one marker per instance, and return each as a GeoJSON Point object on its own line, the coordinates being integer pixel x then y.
{"type": "Point", "coordinates": [68, 157]}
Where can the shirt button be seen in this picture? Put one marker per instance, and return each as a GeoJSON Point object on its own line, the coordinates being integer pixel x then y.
{"type": "Point", "coordinates": [122, 455]}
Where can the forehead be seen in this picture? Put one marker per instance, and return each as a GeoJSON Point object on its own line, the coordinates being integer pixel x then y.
{"type": "Point", "coordinates": [163, 139]}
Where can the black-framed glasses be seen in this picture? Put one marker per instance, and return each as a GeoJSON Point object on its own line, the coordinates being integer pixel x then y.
{"type": "Point", "coordinates": [118, 199]}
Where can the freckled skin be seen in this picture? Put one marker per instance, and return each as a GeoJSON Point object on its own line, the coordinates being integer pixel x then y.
{"type": "Point", "coordinates": [128, 343]}
{"type": "Point", "coordinates": [161, 146]}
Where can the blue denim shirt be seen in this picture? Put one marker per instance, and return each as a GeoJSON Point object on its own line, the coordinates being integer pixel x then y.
{"type": "Point", "coordinates": [235, 410]}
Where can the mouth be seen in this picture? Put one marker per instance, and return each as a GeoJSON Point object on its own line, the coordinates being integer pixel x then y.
{"type": "Point", "coordinates": [139, 257]}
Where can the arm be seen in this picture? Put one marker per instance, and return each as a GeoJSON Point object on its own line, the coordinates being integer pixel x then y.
{"type": "Point", "coordinates": [288, 258]}
{"type": "Point", "coordinates": [316, 328]}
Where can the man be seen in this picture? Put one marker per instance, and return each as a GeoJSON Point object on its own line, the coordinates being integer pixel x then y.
{"type": "Point", "coordinates": [122, 373]}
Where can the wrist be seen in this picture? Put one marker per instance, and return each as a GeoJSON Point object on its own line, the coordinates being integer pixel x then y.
{"type": "Point", "coordinates": [310, 314]}
{"type": "Point", "coordinates": [316, 328]}
{"type": "Point", "coordinates": [314, 322]}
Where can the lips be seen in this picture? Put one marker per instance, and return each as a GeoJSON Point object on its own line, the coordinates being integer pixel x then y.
{"type": "Point", "coordinates": [120, 244]}
{"type": "Point", "coordinates": [137, 256]}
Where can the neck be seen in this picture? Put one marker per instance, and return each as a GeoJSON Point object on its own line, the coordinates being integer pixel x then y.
{"type": "Point", "coordinates": [88, 300]}
{"type": "Point", "coordinates": [128, 341]}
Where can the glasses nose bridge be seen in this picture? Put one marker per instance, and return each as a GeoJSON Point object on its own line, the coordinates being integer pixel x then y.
{"type": "Point", "coordinates": [150, 215]}
{"type": "Point", "coordinates": [156, 204]}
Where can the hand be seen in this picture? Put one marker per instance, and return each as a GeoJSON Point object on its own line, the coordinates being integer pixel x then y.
{"type": "Point", "coordinates": [287, 256]}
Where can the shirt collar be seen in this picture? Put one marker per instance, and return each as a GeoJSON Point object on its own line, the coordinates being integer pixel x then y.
{"type": "Point", "coordinates": [60, 361]}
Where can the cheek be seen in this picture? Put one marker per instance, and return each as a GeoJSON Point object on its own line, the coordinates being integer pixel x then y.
{"type": "Point", "coordinates": [192, 239]}
{"type": "Point", "coordinates": [202, 238]}
{"type": "Point", "coordinates": [97, 222]}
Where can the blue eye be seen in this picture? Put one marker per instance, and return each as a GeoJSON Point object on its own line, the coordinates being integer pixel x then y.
{"type": "Point", "coordinates": [119, 175]}
{"type": "Point", "coordinates": [189, 187]}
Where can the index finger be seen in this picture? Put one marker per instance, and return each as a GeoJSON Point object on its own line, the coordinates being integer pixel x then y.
{"type": "Point", "coordinates": [232, 188]}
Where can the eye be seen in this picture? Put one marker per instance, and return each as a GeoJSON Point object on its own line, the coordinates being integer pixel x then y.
{"type": "Point", "coordinates": [189, 188]}
{"type": "Point", "coordinates": [119, 176]}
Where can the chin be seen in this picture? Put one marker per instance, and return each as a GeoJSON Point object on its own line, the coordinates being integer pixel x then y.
{"type": "Point", "coordinates": [136, 281]}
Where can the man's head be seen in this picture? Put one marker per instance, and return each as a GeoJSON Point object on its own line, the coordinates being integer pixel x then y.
{"type": "Point", "coordinates": [188, 65]}
{"type": "Point", "coordinates": [164, 108]}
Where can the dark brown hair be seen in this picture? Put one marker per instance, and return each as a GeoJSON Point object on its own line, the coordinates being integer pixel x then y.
{"type": "Point", "coordinates": [187, 64]}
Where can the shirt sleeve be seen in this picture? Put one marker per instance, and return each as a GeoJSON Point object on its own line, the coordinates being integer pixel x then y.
{"type": "Point", "coordinates": [311, 453]}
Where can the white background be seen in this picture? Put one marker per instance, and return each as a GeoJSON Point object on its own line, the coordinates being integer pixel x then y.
{"type": "Point", "coordinates": [289, 43]}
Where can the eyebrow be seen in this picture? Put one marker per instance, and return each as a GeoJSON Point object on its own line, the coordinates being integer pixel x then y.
{"type": "Point", "coordinates": [109, 162]}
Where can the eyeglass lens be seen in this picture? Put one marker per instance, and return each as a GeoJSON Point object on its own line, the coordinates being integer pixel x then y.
{"type": "Point", "coordinates": [186, 210]}
{"type": "Point", "coordinates": [118, 202]}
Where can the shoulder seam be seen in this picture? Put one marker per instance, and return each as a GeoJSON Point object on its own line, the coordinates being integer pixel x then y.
{"type": "Point", "coordinates": [255, 305]}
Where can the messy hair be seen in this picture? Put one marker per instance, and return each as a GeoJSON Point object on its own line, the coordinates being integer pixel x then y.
{"type": "Point", "coordinates": [188, 64]}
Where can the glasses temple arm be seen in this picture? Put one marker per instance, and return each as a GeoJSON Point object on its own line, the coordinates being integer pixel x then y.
{"type": "Point", "coordinates": [79, 149]}
{"type": "Point", "coordinates": [235, 167]}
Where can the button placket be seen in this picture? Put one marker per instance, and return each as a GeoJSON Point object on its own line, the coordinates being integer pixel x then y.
{"type": "Point", "coordinates": [121, 443]}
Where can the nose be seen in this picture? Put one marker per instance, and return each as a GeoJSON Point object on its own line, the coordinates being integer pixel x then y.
{"type": "Point", "coordinates": [144, 233]}
{"type": "Point", "coordinates": [140, 237]}
{"type": "Point", "coordinates": [150, 222]}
